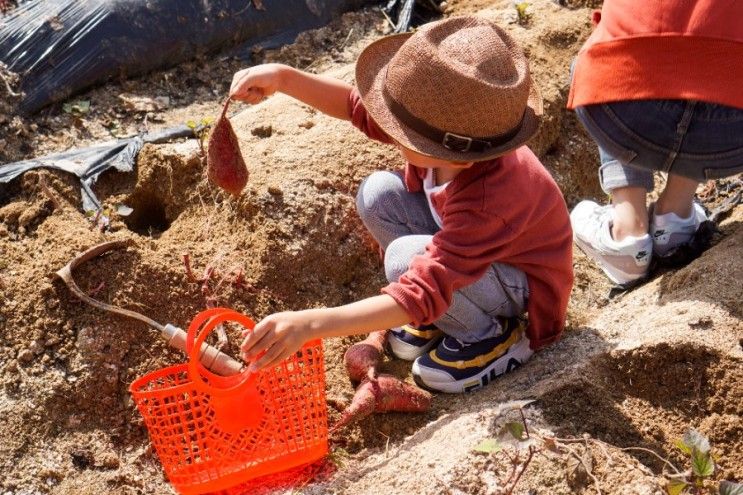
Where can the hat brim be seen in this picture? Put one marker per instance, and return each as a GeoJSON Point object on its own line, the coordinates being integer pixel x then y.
{"type": "Point", "coordinates": [370, 72]}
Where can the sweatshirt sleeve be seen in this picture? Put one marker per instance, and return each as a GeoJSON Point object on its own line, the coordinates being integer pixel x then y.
{"type": "Point", "coordinates": [362, 120]}
{"type": "Point", "coordinates": [458, 255]}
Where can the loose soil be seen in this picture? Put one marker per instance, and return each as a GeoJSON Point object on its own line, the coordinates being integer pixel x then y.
{"type": "Point", "coordinates": [634, 371]}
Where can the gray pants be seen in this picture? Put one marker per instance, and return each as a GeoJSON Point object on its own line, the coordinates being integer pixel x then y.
{"type": "Point", "coordinates": [402, 224]}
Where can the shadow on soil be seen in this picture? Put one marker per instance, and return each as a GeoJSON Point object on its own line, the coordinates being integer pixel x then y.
{"type": "Point", "coordinates": [648, 397]}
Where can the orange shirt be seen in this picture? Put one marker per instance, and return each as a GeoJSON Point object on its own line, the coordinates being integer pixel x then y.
{"type": "Point", "coordinates": [662, 49]}
{"type": "Point", "coordinates": [506, 210]}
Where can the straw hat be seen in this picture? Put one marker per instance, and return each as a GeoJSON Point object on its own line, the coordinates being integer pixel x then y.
{"type": "Point", "coordinates": [458, 89]}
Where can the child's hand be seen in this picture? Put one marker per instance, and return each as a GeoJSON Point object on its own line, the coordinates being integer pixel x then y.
{"type": "Point", "coordinates": [256, 83]}
{"type": "Point", "coordinates": [280, 335]}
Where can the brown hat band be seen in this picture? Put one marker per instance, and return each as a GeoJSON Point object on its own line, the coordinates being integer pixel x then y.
{"type": "Point", "coordinates": [449, 140]}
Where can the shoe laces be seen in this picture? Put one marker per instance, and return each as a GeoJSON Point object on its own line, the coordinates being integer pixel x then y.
{"type": "Point", "coordinates": [454, 344]}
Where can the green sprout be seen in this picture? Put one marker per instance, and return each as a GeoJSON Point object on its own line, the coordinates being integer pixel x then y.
{"type": "Point", "coordinates": [703, 467]}
{"type": "Point", "coordinates": [201, 132]}
{"type": "Point", "coordinates": [77, 108]}
{"type": "Point", "coordinates": [521, 11]}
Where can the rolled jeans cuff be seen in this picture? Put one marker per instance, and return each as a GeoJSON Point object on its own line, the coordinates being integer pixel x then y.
{"type": "Point", "coordinates": [613, 175]}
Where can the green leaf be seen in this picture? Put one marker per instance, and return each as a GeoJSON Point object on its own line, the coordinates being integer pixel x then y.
{"type": "Point", "coordinates": [521, 11]}
{"type": "Point", "coordinates": [675, 487]}
{"type": "Point", "coordinates": [516, 429]}
{"type": "Point", "coordinates": [694, 439]}
{"type": "Point", "coordinates": [77, 108]}
{"type": "Point", "coordinates": [730, 488]}
{"type": "Point", "coordinates": [488, 446]}
{"type": "Point", "coordinates": [191, 124]}
{"type": "Point", "coordinates": [702, 464]}
{"type": "Point", "coordinates": [683, 447]}
{"type": "Point", "coordinates": [206, 121]}
{"type": "Point", "coordinates": [338, 457]}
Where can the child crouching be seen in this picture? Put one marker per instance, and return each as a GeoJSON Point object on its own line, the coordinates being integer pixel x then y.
{"type": "Point", "coordinates": [475, 231]}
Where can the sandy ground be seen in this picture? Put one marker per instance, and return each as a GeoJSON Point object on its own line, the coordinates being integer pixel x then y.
{"type": "Point", "coordinates": [629, 377]}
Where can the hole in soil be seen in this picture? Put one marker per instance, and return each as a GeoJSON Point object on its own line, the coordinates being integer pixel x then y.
{"type": "Point", "coordinates": [9, 191]}
{"type": "Point", "coordinates": [148, 217]}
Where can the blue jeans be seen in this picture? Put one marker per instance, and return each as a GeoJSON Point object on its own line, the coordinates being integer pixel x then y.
{"type": "Point", "coordinates": [690, 138]}
{"type": "Point", "coordinates": [402, 224]}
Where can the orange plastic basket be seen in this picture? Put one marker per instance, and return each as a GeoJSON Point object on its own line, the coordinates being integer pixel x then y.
{"type": "Point", "coordinates": [212, 433]}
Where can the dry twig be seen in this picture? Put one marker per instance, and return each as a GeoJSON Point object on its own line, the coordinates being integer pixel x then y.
{"type": "Point", "coordinates": [48, 193]}
{"type": "Point", "coordinates": [8, 88]}
{"type": "Point", "coordinates": [595, 480]}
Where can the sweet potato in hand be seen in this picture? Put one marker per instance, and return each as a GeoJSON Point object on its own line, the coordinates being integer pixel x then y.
{"type": "Point", "coordinates": [225, 165]}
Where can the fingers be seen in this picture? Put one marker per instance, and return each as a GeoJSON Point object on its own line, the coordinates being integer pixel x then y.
{"type": "Point", "coordinates": [272, 357]}
{"type": "Point", "coordinates": [242, 88]}
{"type": "Point", "coordinates": [260, 338]}
{"type": "Point", "coordinates": [237, 80]}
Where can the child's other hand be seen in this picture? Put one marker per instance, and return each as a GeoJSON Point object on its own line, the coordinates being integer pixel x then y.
{"type": "Point", "coordinates": [256, 83]}
{"type": "Point", "coordinates": [280, 335]}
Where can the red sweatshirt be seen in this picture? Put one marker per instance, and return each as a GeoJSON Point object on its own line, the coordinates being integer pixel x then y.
{"type": "Point", "coordinates": [662, 49]}
{"type": "Point", "coordinates": [506, 210]}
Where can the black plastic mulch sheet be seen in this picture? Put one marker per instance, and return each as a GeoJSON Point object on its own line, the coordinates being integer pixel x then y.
{"type": "Point", "coordinates": [89, 163]}
{"type": "Point", "coordinates": [60, 47]}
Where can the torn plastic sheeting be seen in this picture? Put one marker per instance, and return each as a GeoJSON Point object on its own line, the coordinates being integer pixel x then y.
{"type": "Point", "coordinates": [89, 163]}
{"type": "Point", "coordinates": [60, 47]}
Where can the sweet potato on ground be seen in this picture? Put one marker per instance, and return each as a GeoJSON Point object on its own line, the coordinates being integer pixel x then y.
{"type": "Point", "coordinates": [385, 393]}
{"type": "Point", "coordinates": [362, 358]}
{"type": "Point", "coordinates": [225, 165]}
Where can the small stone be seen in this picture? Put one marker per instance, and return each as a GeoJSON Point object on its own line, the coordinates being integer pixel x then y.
{"type": "Point", "coordinates": [36, 348]}
{"type": "Point", "coordinates": [702, 323]}
{"type": "Point", "coordinates": [25, 356]}
{"type": "Point", "coordinates": [162, 101]}
{"type": "Point", "coordinates": [12, 366]}
{"type": "Point", "coordinates": [109, 461]}
{"type": "Point", "coordinates": [263, 131]}
{"type": "Point", "coordinates": [275, 190]}
{"type": "Point", "coordinates": [143, 104]}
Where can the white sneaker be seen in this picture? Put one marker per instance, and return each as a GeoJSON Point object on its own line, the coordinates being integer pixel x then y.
{"type": "Point", "coordinates": [408, 342]}
{"type": "Point", "coordinates": [669, 231]}
{"type": "Point", "coordinates": [624, 261]}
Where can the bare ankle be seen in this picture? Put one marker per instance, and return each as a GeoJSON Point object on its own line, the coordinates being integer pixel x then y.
{"type": "Point", "coordinates": [621, 230]}
{"type": "Point", "coordinates": [681, 209]}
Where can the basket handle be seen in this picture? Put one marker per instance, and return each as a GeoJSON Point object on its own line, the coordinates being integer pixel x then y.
{"type": "Point", "coordinates": [201, 326]}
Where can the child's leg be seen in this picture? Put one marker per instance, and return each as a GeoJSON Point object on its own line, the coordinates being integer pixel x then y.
{"type": "Point", "coordinates": [389, 211]}
{"type": "Point", "coordinates": [677, 197]}
{"type": "Point", "coordinates": [483, 338]}
{"type": "Point", "coordinates": [675, 216]}
{"type": "Point", "coordinates": [630, 213]}
{"type": "Point", "coordinates": [691, 141]}
{"type": "Point", "coordinates": [616, 235]}
{"type": "Point", "coordinates": [473, 314]}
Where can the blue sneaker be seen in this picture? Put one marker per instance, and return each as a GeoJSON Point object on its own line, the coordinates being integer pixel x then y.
{"type": "Point", "coordinates": [408, 342]}
{"type": "Point", "coordinates": [456, 367]}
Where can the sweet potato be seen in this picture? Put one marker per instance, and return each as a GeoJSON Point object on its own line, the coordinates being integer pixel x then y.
{"type": "Point", "coordinates": [385, 393]}
{"type": "Point", "coordinates": [362, 358]}
{"type": "Point", "coordinates": [225, 165]}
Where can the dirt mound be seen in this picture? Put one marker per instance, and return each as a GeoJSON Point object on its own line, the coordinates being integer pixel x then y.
{"type": "Point", "coordinates": [633, 371]}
